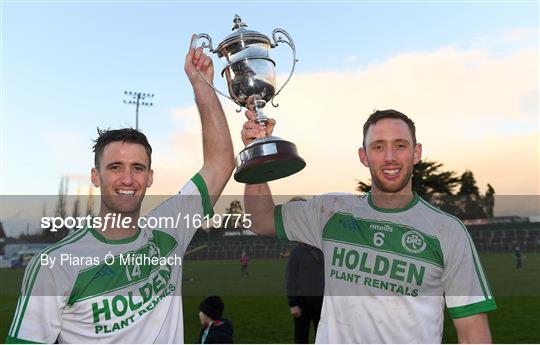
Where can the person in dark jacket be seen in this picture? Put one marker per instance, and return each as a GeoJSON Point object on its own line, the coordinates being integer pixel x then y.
{"type": "Point", "coordinates": [215, 329]}
{"type": "Point", "coordinates": [305, 289]}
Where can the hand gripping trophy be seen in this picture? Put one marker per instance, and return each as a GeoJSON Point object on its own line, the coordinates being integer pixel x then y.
{"type": "Point", "coordinates": [249, 72]}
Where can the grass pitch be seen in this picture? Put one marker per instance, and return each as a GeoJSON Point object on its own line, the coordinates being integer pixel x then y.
{"type": "Point", "coordinates": [258, 307]}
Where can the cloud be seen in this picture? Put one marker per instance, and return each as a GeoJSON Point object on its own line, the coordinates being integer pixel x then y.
{"type": "Point", "coordinates": [352, 59]}
{"type": "Point", "coordinates": [473, 111]}
{"type": "Point", "coordinates": [520, 35]}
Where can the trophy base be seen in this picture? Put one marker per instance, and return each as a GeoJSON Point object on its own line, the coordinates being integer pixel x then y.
{"type": "Point", "coordinates": [267, 159]}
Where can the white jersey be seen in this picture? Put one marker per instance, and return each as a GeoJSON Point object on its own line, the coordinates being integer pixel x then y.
{"type": "Point", "coordinates": [94, 294]}
{"type": "Point", "coordinates": [388, 272]}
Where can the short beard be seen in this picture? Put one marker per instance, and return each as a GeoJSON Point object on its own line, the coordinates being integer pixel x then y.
{"type": "Point", "coordinates": [380, 185]}
{"type": "Point", "coordinates": [109, 204]}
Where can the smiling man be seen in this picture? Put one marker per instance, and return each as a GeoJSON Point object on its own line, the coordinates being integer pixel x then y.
{"type": "Point", "coordinates": [125, 285]}
{"type": "Point", "coordinates": [392, 260]}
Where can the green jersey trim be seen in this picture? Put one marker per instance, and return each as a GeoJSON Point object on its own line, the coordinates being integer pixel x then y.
{"type": "Point", "coordinates": [103, 239]}
{"type": "Point", "coordinates": [381, 250]}
{"type": "Point", "coordinates": [278, 224]}
{"type": "Point", "coordinates": [17, 310]}
{"type": "Point", "coordinates": [410, 205]}
{"type": "Point", "coordinates": [472, 309]}
{"type": "Point", "coordinates": [33, 272]}
{"type": "Point", "coordinates": [478, 267]}
{"type": "Point", "coordinates": [96, 280]}
{"type": "Point", "coordinates": [346, 228]}
{"type": "Point", "coordinates": [13, 340]}
{"type": "Point", "coordinates": [203, 190]}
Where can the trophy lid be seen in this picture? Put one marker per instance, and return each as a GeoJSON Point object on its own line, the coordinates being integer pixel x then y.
{"type": "Point", "coordinates": [242, 33]}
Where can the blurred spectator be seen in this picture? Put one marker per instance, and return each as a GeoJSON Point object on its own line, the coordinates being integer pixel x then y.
{"type": "Point", "coordinates": [215, 329]}
{"type": "Point", "coordinates": [518, 258]}
{"type": "Point", "coordinates": [305, 289]}
{"type": "Point", "coordinates": [244, 261]}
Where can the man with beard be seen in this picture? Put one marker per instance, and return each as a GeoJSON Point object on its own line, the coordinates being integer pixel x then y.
{"type": "Point", "coordinates": [119, 279]}
{"type": "Point", "coordinates": [392, 260]}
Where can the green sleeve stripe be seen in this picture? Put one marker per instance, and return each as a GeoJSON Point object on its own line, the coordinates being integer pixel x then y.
{"type": "Point", "coordinates": [206, 202]}
{"type": "Point", "coordinates": [479, 271]}
{"type": "Point", "coordinates": [30, 278]}
{"type": "Point", "coordinates": [15, 315]}
{"type": "Point", "coordinates": [479, 278]}
{"type": "Point", "coordinates": [278, 223]}
{"type": "Point", "coordinates": [477, 265]}
{"type": "Point", "coordinates": [472, 309]}
{"type": "Point", "coordinates": [483, 273]}
{"type": "Point", "coordinates": [33, 272]}
{"type": "Point", "coordinates": [12, 340]}
{"type": "Point", "coordinates": [487, 282]}
{"type": "Point", "coordinates": [48, 250]}
{"type": "Point", "coordinates": [28, 274]}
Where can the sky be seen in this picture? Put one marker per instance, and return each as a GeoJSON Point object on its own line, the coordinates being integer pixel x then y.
{"type": "Point", "coordinates": [465, 72]}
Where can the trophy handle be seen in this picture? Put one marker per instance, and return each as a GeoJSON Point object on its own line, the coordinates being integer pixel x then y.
{"type": "Point", "coordinates": [289, 41]}
{"type": "Point", "coordinates": [211, 49]}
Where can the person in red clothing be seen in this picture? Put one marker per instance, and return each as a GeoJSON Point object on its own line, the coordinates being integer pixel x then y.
{"type": "Point", "coordinates": [244, 260]}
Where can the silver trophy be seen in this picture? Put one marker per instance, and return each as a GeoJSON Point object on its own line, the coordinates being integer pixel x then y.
{"type": "Point", "coordinates": [251, 80]}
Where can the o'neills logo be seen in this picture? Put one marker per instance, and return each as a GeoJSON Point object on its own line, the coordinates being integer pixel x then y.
{"type": "Point", "coordinates": [380, 227]}
{"type": "Point", "coordinates": [413, 242]}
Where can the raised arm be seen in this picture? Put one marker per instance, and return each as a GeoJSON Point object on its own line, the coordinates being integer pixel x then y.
{"type": "Point", "coordinates": [258, 197]}
{"type": "Point", "coordinates": [260, 207]}
{"type": "Point", "coordinates": [217, 144]}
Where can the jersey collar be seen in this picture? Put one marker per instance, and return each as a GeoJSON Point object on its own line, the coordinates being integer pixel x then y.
{"type": "Point", "coordinates": [410, 205]}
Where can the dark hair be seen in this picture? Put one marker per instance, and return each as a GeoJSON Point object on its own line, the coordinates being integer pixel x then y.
{"type": "Point", "coordinates": [389, 114]}
{"type": "Point", "coordinates": [212, 307]}
{"type": "Point", "coordinates": [125, 135]}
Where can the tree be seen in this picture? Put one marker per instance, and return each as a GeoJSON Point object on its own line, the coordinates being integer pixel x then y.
{"type": "Point", "coordinates": [468, 184]}
{"type": "Point", "coordinates": [363, 187]}
{"type": "Point", "coordinates": [297, 198]}
{"type": "Point", "coordinates": [76, 210]}
{"type": "Point", "coordinates": [489, 200]}
{"type": "Point", "coordinates": [90, 202]}
{"type": "Point", "coordinates": [236, 210]}
{"type": "Point", "coordinates": [469, 199]}
{"type": "Point", "coordinates": [60, 211]}
{"type": "Point", "coordinates": [428, 181]}
{"type": "Point", "coordinates": [76, 205]}
{"type": "Point", "coordinates": [61, 204]}
{"type": "Point", "coordinates": [2, 239]}
{"type": "Point", "coordinates": [439, 186]}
